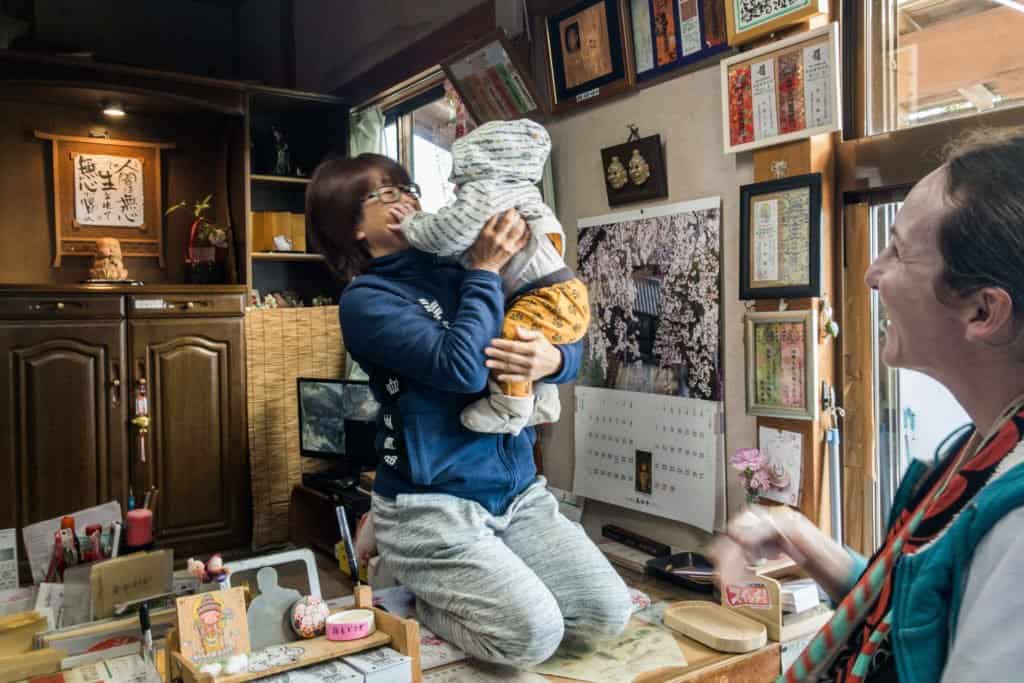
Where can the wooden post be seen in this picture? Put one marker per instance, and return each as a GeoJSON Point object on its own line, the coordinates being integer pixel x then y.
{"type": "Point", "coordinates": [814, 155]}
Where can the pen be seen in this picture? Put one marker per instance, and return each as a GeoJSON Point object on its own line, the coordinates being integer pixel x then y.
{"type": "Point", "coordinates": [147, 633]}
{"type": "Point", "coordinates": [346, 537]}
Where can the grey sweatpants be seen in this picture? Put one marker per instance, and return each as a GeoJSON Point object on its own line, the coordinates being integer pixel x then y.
{"type": "Point", "coordinates": [504, 589]}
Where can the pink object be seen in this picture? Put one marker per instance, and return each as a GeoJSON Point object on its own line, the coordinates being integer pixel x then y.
{"type": "Point", "coordinates": [350, 625]}
{"type": "Point", "coordinates": [140, 527]}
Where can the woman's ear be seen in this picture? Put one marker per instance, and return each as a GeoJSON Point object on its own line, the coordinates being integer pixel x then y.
{"type": "Point", "coordinates": [990, 316]}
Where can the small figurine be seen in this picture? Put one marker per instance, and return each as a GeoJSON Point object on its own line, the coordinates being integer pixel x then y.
{"type": "Point", "coordinates": [282, 157]}
{"type": "Point", "coordinates": [108, 264]}
{"type": "Point", "coordinates": [616, 173]}
{"type": "Point", "coordinates": [213, 570]}
{"type": "Point", "coordinates": [639, 169]}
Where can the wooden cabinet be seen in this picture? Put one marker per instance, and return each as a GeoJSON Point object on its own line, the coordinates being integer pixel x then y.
{"type": "Point", "coordinates": [196, 440]}
{"type": "Point", "coordinates": [63, 419]}
{"type": "Point", "coordinates": [68, 375]}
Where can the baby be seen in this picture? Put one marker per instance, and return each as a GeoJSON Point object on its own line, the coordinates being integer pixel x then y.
{"type": "Point", "coordinates": [495, 168]}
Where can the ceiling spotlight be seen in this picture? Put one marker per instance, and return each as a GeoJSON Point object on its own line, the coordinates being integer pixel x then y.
{"type": "Point", "coordinates": [114, 109]}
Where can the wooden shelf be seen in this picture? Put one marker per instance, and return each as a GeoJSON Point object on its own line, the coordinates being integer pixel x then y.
{"type": "Point", "coordinates": [285, 256]}
{"type": "Point", "coordinates": [278, 179]}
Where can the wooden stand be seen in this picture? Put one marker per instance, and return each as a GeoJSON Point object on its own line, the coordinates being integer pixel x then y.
{"type": "Point", "coordinates": [773, 575]}
{"type": "Point", "coordinates": [401, 634]}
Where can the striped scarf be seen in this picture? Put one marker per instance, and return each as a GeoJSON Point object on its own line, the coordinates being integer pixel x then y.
{"type": "Point", "coordinates": [868, 606]}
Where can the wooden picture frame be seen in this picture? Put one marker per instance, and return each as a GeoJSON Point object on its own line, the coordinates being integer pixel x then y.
{"type": "Point", "coordinates": [669, 34]}
{"type": "Point", "coordinates": [789, 90]}
{"type": "Point", "coordinates": [590, 53]}
{"type": "Point", "coordinates": [782, 364]}
{"type": "Point", "coordinates": [780, 238]}
{"type": "Point", "coordinates": [492, 81]}
{"type": "Point", "coordinates": [623, 159]}
{"type": "Point", "coordinates": [72, 238]}
{"type": "Point", "coordinates": [745, 24]}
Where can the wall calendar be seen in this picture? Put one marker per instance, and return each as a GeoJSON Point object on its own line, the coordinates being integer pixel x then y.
{"type": "Point", "coordinates": [657, 454]}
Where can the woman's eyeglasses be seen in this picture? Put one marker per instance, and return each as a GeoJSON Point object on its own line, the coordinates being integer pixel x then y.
{"type": "Point", "coordinates": [389, 194]}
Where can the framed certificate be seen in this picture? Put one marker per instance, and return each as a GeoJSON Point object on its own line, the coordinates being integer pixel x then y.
{"type": "Point", "coordinates": [781, 92]}
{"type": "Point", "coordinates": [748, 20]}
{"type": "Point", "coordinates": [782, 366]}
{"type": "Point", "coordinates": [668, 34]}
{"type": "Point", "coordinates": [590, 53]}
{"type": "Point", "coordinates": [780, 238]}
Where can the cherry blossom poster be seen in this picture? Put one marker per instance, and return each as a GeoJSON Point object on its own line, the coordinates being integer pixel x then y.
{"type": "Point", "coordinates": [648, 420]}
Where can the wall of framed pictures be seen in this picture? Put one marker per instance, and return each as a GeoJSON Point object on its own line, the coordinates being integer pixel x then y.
{"type": "Point", "coordinates": [668, 34]}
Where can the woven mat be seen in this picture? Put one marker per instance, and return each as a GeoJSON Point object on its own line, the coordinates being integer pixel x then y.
{"type": "Point", "coordinates": [281, 345]}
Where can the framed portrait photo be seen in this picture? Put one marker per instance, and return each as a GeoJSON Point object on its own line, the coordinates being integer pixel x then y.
{"type": "Point", "coordinates": [785, 91]}
{"type": "Point", "coordinates": [492, 81]}
{"type": "Point", "coordinates": [782, 366]}
{"type": "Point", "coordinates": [780, 238]}
{"type": "Point", "coordinates": [747, 20]}
{"type": "Point", "coordinates": [668, 34]}
{"type": "Point", "coordinates": [590, 53]}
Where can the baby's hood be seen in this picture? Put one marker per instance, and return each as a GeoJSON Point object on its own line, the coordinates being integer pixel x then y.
{"type": "Point", "coordinates": [515, 150]}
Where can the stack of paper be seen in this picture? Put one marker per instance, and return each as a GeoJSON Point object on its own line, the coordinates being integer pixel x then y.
{"type": "Point", "coordinates": [382, 665]}
{"type": "Point", "coordinates": [799, 595]}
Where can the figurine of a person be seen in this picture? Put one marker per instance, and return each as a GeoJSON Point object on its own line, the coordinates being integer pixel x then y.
{"type": "Point", "coordinates": [282, 157]}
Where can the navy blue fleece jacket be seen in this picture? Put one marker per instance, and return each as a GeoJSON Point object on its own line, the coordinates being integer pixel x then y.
{"type": "Point", "coordinates": [419, 325]}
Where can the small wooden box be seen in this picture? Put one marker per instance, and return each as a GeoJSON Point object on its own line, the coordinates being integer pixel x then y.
{"type": "Point", "coordinates": [772, 575]}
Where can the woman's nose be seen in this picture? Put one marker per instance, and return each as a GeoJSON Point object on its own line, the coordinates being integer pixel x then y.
{"type": "Point", "coordinates": [871, 275]}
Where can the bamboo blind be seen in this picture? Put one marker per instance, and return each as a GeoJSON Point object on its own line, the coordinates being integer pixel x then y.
{"type": "Point", "coordinates": [282, 345]}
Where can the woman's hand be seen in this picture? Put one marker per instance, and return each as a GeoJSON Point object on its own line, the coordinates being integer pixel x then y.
{"type": "Point", "coordinates": [530, 359]}
{"type": "Point", "coordinates": [397, 213]}
{"type": "Point", "coordinates": [501, 238]}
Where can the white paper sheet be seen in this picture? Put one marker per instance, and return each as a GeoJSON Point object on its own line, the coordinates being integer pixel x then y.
{"type": "Point", "coordinates": [766, 109]}
{"type": "Point", "coordinates": [50, 601]}
{"type": "Point", "coordinates": [478, 672]}
{"type": "Point", "coordinates": [17, 600]}
{"type": "Point", "coordinates": [435, 651]}
{"type": "Point", "coordinates": [109, 190]}
{"type": "Point", "coordinates": [620, 434]}
{"type": "Point", "coordinates": [818, 86]}
{"type": "Point", "coordinates": [766, 240]}
{"type": "Point", "coordinates": [785, 449]}
{"type": "Point", "coordinates": [689, 26]}
{"type": "Point", "coordinates": [39, 536]}
{"type": "Point", "coordinates": [8, 559]}
{"type": "Point", "coordinates": [639, 649]}
{"type": "Point", "coordinates": [640, 11]}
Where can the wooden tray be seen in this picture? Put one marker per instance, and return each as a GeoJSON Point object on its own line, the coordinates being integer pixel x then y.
{"type": "Point", "coordinates": [715, 626]}
{"type": "Point", "coordinates": [401, 634]}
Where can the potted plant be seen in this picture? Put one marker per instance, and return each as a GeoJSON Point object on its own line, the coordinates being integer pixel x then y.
{"type": "Point", "coordinates": [207, 244]}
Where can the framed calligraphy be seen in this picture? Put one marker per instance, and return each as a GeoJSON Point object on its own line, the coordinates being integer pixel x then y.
{"type": "Point", "coordinates": [748, 20]}
{"type": "Point", "coordinates": [668, 34]}
{"type": "Point", "coordinates": [781, 92]}
{"type": "Point", "coordinates": [780, 238]}
{"type": "Point", "coordinates": [590, 53]}
{"type": "Point", "coordinates": [782, 366]}
{"type": "Point", "coordinates": [106, 188]}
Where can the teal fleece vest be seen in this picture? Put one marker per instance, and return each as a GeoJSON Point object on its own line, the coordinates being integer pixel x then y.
{"type": "Point", "coordinates": [928, 586]}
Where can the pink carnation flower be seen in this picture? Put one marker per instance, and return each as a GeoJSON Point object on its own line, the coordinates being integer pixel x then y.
{"type": "Point", "coordinates": [748, 459]}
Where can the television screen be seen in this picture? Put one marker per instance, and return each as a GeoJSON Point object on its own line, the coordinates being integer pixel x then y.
{"type": "Point", "coordinates": [324, 407]}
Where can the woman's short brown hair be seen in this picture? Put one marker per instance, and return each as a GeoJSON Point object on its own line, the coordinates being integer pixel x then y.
{"type": "Point", "coordinates": [982, 237]}
{"type": "Point", "coordinates": [334, 208]}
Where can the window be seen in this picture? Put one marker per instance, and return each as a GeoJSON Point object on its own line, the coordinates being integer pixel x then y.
{"type": "Point", "coordinates": [931, 60]}
{"type": "Point", "coordinates": [419, 133]}
{"type": "Point", "coordinates": [914, 412]}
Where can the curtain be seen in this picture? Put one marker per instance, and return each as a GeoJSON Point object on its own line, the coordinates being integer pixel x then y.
{"type": "Point", "coordinates": [366, 132]}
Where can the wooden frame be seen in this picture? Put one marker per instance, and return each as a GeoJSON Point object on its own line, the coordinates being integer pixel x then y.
{"type": "Point", "coordinates": [561, 27]}
{"type": "Point", "coordinates": [690, 40]}
{"type": "Point", "coordinates": [73, 239]}
{"type": "Point", "coordinates": [743, 30]}
{"type": "Point", "coordinates": [796, 100]}
{"type": "Point", "coordinates": [492, 81]}
{"type": "Point", "coordinates": [760, 383]}
{"type": "Point", "coordinates": [776, 229]}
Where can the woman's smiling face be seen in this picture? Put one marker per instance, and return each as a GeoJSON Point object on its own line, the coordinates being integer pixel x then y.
{"type": "Point", "coordinates": [375, 227]}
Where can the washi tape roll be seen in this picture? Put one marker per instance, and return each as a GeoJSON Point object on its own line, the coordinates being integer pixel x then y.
{"type": "Point", "coordinates": [350, 625]}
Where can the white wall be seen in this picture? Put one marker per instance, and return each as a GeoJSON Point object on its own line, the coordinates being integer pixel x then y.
{"type": "Point", "coordinates": [686, 112]}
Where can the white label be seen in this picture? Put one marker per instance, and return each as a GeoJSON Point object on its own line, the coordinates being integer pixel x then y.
{"type": "Point", "coordinates": [150, 304]}
{"type": "Point", "coordinates": [584, 96]}
{"type": "Point", "coordinates": [766, 240]}
{"type": "Point", "coordinates": [766, 111]}
{"type": "Point", "coordinates": [818, 86]}
{"type": "Point", "coordinates": [689, 28]}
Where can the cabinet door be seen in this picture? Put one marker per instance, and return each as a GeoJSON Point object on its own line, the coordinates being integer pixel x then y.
{"type": "Point", "coordinates": [62, 418]}
{"type": "Point", "coordinates": [196, 442]}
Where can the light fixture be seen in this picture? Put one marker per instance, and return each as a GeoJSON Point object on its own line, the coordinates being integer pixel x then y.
{"type": "Point", "coordinates": [113, 109]}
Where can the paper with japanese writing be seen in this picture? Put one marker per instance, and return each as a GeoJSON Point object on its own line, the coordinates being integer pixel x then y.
{"type": "Point", "coordinates": [766, 109]}
{"type": "Point", "coordinates": [818, 86]}
{"type": "Point", "coordinates": [689, 27]}
{"type": "Point", "coordinates": [108, 190]}
{"type": "Point", "coordinates": [779, 350]}
{"type": "Point", "coordinates": [784, 450]}
{"type": "Point", "coordinates": [479, 672]}
{"type": "Point", "coordinates": [766, 240]}
{"type": "Point", "coordinates": [638, 650]}
{"type": "Point", "coordinates": [648, 452]}
{"type": "Point", "coordinates": [781, 237]}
